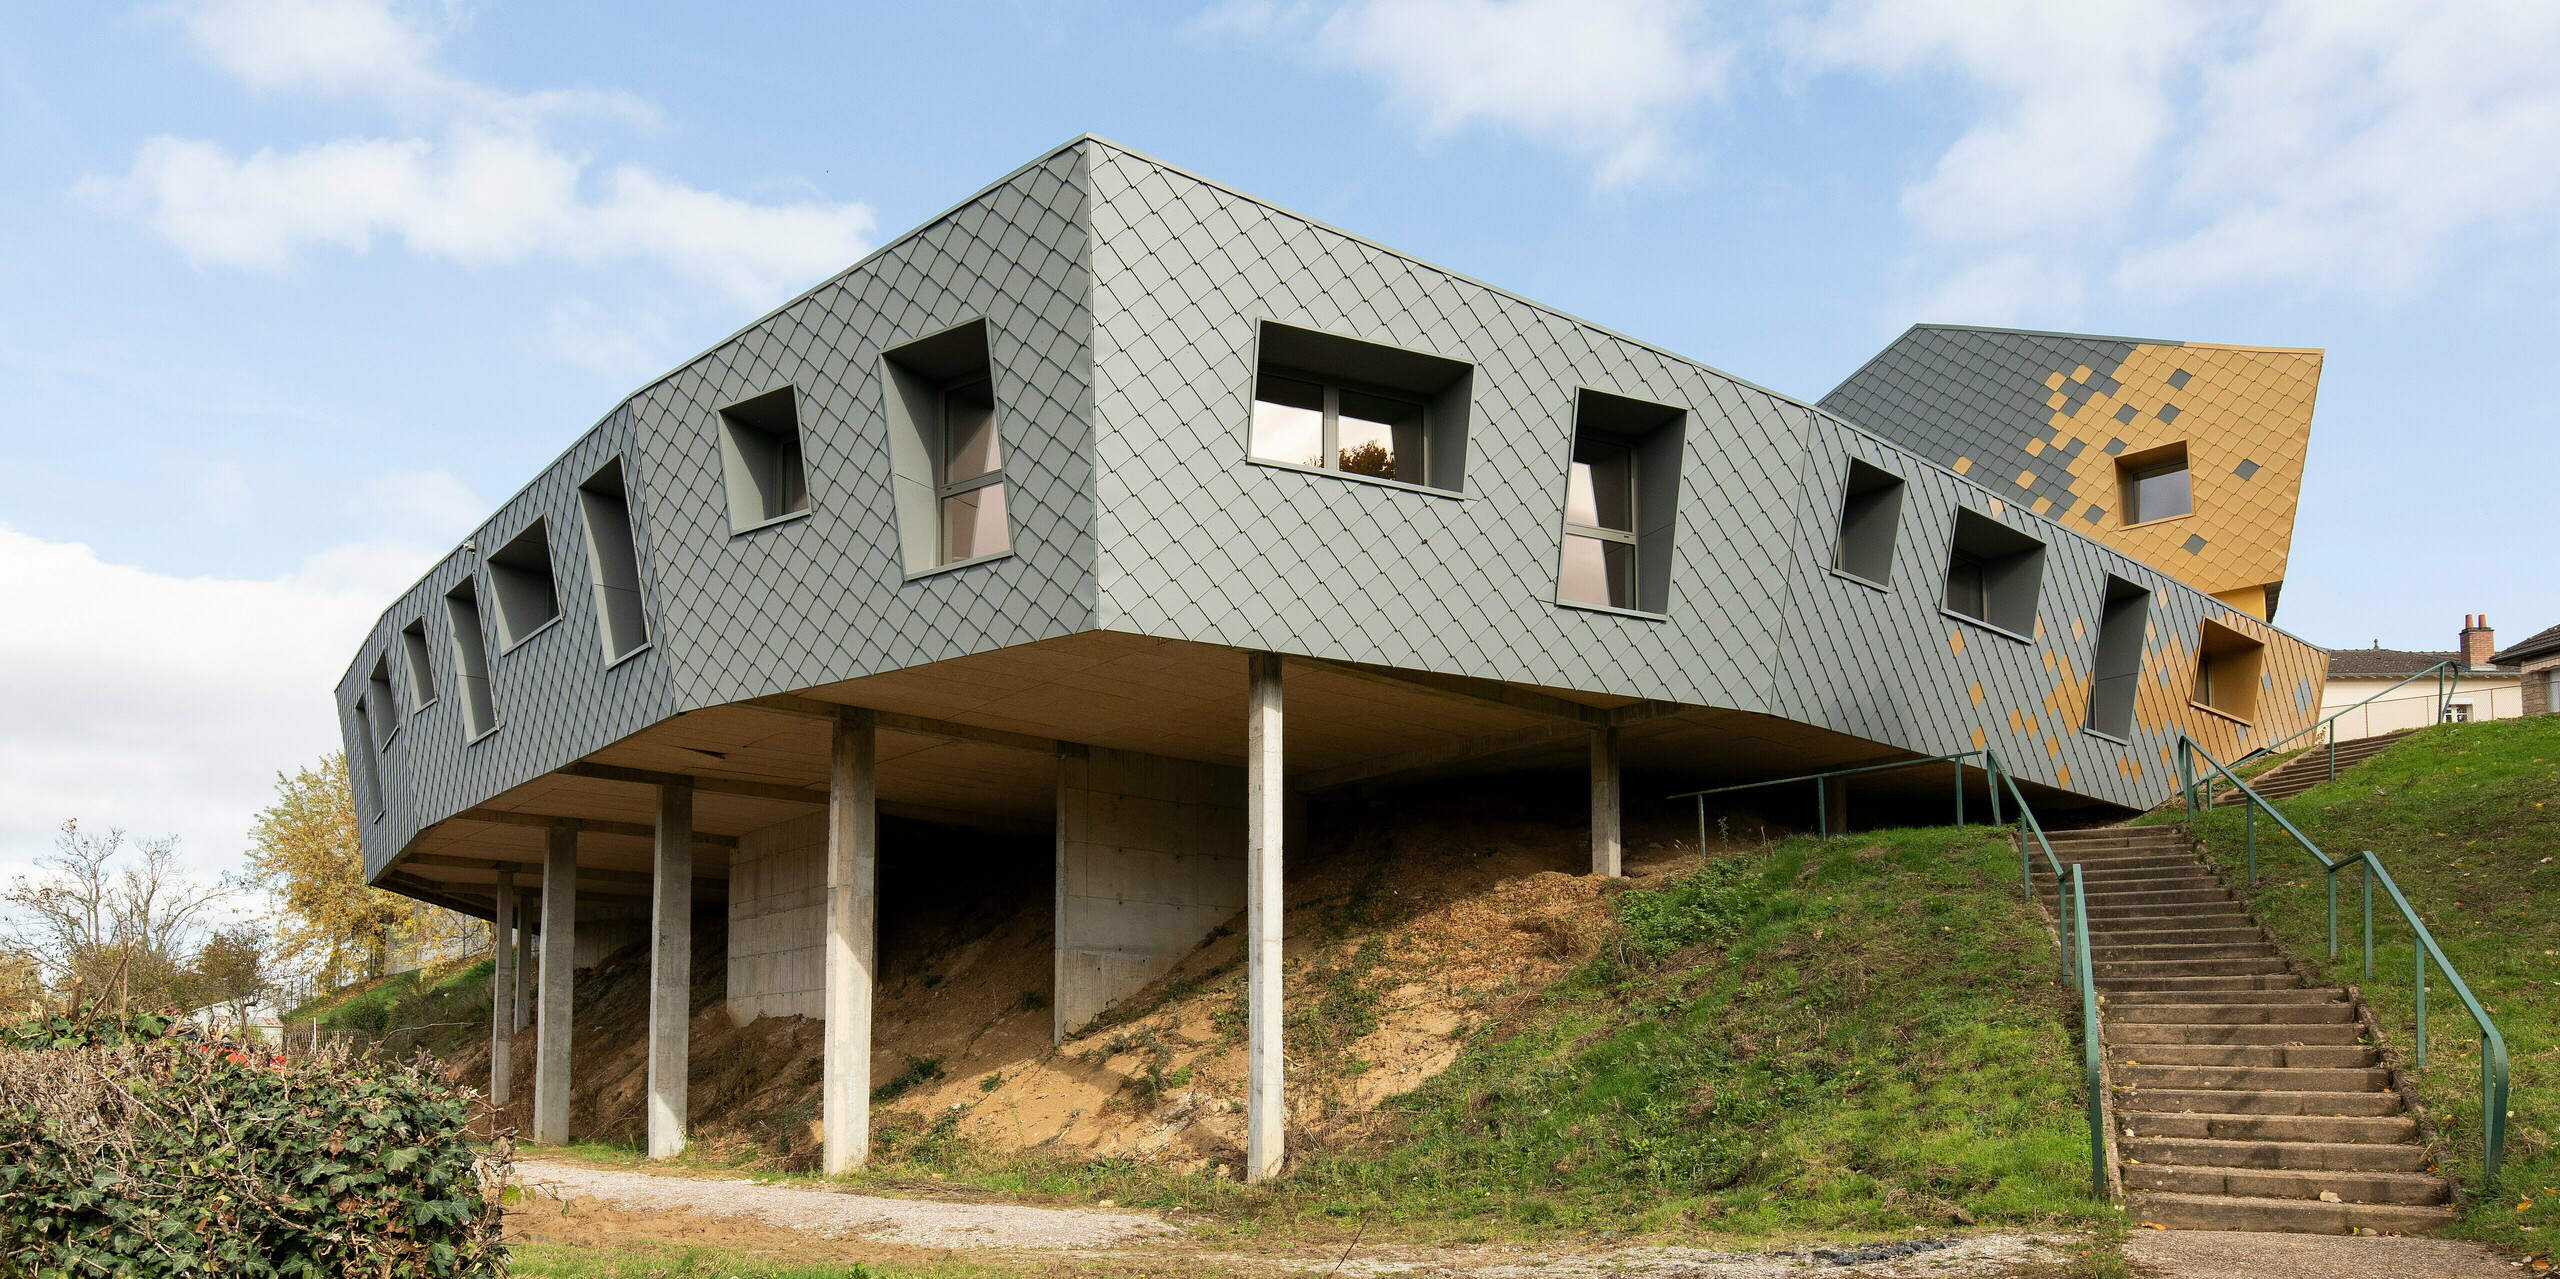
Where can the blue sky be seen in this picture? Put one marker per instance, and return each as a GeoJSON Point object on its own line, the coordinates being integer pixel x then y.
{"type": "Point", "coordinates": [293, 291]}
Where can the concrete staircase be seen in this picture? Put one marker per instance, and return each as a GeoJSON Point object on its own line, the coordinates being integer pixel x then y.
{"type": "Point", "coordinates": [2240, 1095]}
{"type": "Point", "coordinates": [2308, 769]}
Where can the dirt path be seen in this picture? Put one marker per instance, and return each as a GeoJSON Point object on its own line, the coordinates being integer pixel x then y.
{"type": "Point", "coordinates": [829, 1214]}
{"type": "Point", "coordinates": [2232, 1254]}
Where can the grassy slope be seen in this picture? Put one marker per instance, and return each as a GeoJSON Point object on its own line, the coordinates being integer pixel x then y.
{"type": "Point", "coordinates": [441, 1007]}
{"type": "Point", "coordinates": [1863, 1035]}
{"type": "Point", "coordinates": [2467, 819]}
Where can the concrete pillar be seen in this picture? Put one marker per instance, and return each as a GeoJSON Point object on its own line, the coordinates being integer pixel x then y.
{"type": "Point", "coordinates": [1266, 819]}
{"type": "Point", "coordinates": [670, 970]}
{"type": "Point", "coordinates": [1607, 851]}
{"type": "Point", "coordinates": [524, 963]}
{"type": "Point", "coordinates": [559, 967]}
{"type": "Point", "coordinates": [853, 930]}
{"type": "Point", "coordinates": [502, 989]}
{"type": "Point", "coordinates": [1835, 801]}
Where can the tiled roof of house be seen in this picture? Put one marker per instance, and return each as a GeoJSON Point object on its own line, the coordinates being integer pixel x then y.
{"type": "Point", "coordinates": [2535, 645]}
{"type": "Point", "coordinates": [2366, 663]}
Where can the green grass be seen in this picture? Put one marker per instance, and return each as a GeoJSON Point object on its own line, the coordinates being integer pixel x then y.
{"type": "Point", "coordinates": [1866, 1035]}
{"type": "Point", "coordinates": [443, 1007]}
{"type": "Point", "coordinates": [2466, 817]}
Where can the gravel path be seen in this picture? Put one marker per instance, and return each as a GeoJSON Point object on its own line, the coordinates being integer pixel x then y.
{"type": "Point", "coordinates": [2237, 1254]}
{"type": "Point", "coordinates": [833, 1214]}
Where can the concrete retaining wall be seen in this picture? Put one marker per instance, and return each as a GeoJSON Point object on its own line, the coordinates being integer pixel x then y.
{"type": "Point", "coordinates": [1150, 858]}
{"type": "Point", "coordinates": [777, 921]}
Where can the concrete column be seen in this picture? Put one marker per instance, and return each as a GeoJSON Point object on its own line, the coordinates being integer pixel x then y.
{"type": "Point", "coordinates": [853, 930]}
{"type": "Point", "coordinates": [559, 967]}
{"type": "Point", "coordinates": [524, 962]}
{"type": "Point", "coordinates": [502, 989]}
{"type": "Point", "coordinates": [670, 970]}
{"type": "Point", "coordinates": [1606, 845]}
{"type": "Point", "coordinates": [1835, 800]}
{"type": "Point", "coordinates": [1266, 818]}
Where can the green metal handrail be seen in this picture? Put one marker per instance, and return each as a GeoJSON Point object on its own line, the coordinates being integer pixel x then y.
{"type": "Point", "coordinates": [1822, 791]}
{"type": "Point", "coordinates": [2493, 1046]}
{"type": "Point", "coordinates": [2448, 679]}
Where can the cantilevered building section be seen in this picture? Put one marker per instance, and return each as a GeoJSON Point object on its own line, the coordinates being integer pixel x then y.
{"type": "Point", "coordinates": [2183, 455]}
{"type": "Point", "coordinates": [1122, 509]}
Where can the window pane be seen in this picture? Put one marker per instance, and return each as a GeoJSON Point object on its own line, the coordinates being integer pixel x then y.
{"type": "Point", "coordinates": [973, 524]}
{"type": "Point", "coordinates": [969, 431]}
{"type": "Point", "coordinates": [1376, 435]}
{"type": "Point", "coordinates": [1601, 489]}
{"type": "Point", "coordinates": [1964, 588]}
{"type": "Point", "coordinates": [1288, 420]}
{"type": "Point", "coordinates": [2160, 495]}
{"type": "Point", "coordinates": [1598, 571]}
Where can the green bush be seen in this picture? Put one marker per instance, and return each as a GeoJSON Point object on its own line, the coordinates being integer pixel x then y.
{"type": "Point", "coordinates": [125, 1151]}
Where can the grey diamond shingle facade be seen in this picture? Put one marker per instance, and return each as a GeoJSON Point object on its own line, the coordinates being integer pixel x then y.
{"type": "Point", "coordinates": [1122, 299]}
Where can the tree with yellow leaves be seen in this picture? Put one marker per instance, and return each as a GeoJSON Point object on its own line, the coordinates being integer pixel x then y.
{"type": "Point", "coordinates": [304, 850]}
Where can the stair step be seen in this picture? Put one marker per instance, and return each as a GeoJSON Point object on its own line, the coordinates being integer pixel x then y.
{"type": "Point", "coordinates": [2327, 1056]}
{"type": "Point", "coordinates": [2296, 995]}
{"type": "Point", "coordinates": [2120, 938]}
{"type": "Point", "coordinates": [2235, 1014]}
{"type": "Point", "coordinates": [2318, 1033]}
{"type": "Point", "coordinates": [2139, 968]}
{"type": "Point", "coordinates": [2234, 1101]}
{"type": "Point", "coordinates": [2333, 1156]}
{"type": "Point", "coordinates": [2160, 897]}
{"type": "Point", "coordinates": [2198, 985]}
{"type": "Point", "coordinates": [2386, 1131]}
{"type": "Point", "coordinates": [2112, 952]}
{"type": "Point", "coordinates": [2339, 1079]}
{"type": "Point", "coordinates": [2290, 1183]}
{"type": "Point", "coordinates": [2225, 914]}
{"type": "Point", "coordinates": [2292, 1216]}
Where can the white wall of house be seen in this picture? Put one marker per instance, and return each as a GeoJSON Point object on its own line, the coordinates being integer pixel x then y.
{"type": "Point", "coordinates": [2413, 705]}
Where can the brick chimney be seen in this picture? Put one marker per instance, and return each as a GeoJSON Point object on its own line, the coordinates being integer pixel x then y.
{"type": "Point", "coordinates": [2478, 641]}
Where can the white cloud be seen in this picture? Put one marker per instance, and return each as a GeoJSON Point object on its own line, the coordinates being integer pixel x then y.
{"type": "Point", "coordinates": [2153, 153]}
{"type": "Point", "coordinates": [489, 188]}
{"type": "Point", "coordinates": [166, 704]}
{"type": "Point", "coordinates": [1604, 79]}
{"type": "Point", "coordinates": [615, 344]}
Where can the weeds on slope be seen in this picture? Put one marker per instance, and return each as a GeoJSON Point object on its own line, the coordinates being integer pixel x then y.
{"type": "Point", "coordinates": [2467, 819]}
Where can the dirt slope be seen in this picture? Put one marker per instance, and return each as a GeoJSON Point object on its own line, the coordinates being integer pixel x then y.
{"type": "Point", "coordinates": [1409, 923]}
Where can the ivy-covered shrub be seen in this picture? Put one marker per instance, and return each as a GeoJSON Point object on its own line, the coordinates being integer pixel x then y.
{"type": "Point", "coordinates": [127, 1150]}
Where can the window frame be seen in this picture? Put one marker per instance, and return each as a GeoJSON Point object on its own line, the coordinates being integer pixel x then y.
{"type": "Point", "coordinates": [2133, 468]}
{"type": "Point", "coordinates": [1629, 573]}
{"type": "Point", "coordinates": [1329, 437]}
{"type": "Point", "coordinates": [945, 488]}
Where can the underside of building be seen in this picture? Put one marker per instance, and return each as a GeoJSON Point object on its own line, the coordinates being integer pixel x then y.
{"type": "Point", "coordinates": [1117, 507]}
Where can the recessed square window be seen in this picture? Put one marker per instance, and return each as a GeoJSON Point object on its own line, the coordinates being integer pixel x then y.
{"type": "Point", "coordinates": [613, 563]}
{"type": "Point", "coordinates": [521, 583]}
{"type": "Point", "coordinates": [1870, 519]}
{"type": "Point", "coordinates": [1338, 404]}
{"type": "Point", "coordinates": [371, 710]}
{"type": "Point", "coordinates": [2228, 667]}
{"type": "Point", "coordinates": [946, 449]}
{"type": "Point", "coordinates": [761, 457]}
{"type": "Point", "coordinates": [1995, 574]}
{"type": "Point", "coordinates": [1620, 491]}
{"type": "Point", "coordinates": [2115, 663]}
{"type": "Point", "coordinates": [413, 656]}
{"type": "Point", "coordinates": [470, 660]}
{"type": "Point", "coordinates": [2153, 484]}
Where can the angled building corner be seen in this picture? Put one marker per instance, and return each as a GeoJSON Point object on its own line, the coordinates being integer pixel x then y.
{"type": "Point", "coordinates": [2072, 426]}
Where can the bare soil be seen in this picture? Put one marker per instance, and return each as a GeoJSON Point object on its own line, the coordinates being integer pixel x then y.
{"type": "Point", "coordinates": [1411, 920]}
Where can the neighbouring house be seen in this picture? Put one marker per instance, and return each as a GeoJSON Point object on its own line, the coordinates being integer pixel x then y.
{"type": "Point", "coordinates": [2482, 686]}
{"type": "Point", "coordinates": [1122, 510]}
{"type": "Point", "coordinates": [2537, 663]}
